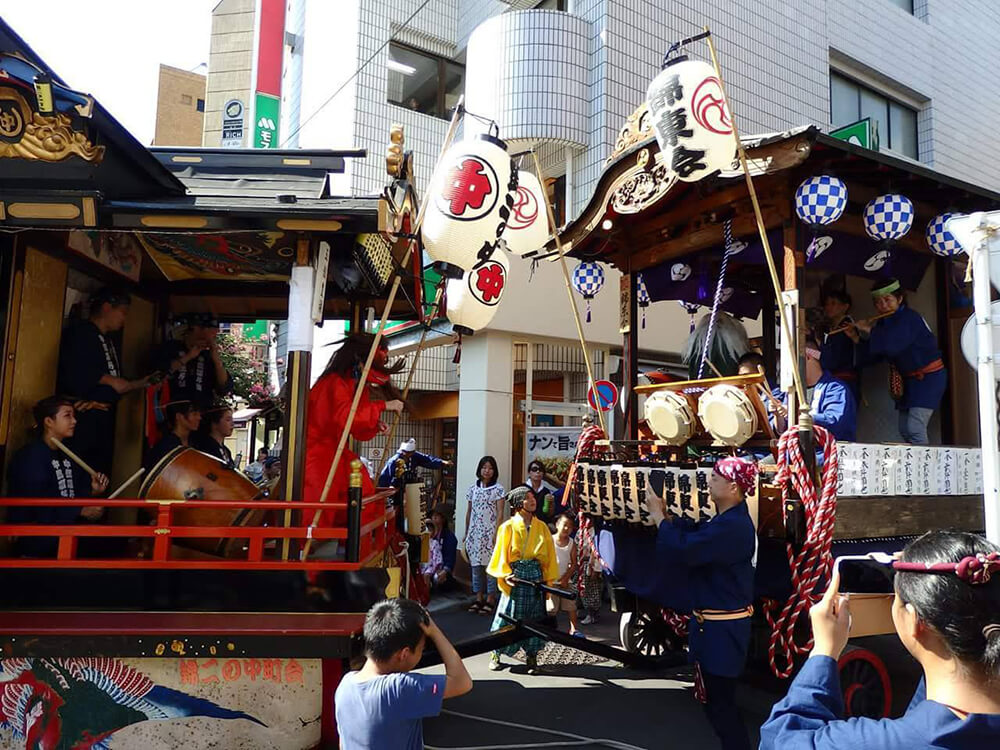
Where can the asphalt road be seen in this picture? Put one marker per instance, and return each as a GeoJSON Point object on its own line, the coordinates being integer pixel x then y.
{"type": "Point", "coordinates": [597, 701]}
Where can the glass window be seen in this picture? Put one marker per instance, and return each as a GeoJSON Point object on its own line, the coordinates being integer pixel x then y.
{"type": "Point", "coordinates": [551, 5]}
{"type": "Point", "coordinates": [896, 123]}
{"type": "Point", "coordinates": [843, 101]}
{"type": "Point", "coordinates": [906, 5]}
{"type": "Point", "coordinates": [876, 107]}
{"type": "Point", "coordinates": [423, 82]}
{"type": "Point", "coordinates": [903, 130]}
{"type": "Point", "coordinates": [201, 105]}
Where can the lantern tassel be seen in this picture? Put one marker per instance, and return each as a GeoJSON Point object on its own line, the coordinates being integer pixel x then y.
{"type": "Point", "coordinates": [644, 318]}
{"type": "Point", "coordinates": [588, 309]}
{"type": "Point", "coordinates": [457, 359]}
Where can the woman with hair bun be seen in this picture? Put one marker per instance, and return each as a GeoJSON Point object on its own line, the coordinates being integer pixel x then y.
{"type": "Point", "coordinates": [947, 614]}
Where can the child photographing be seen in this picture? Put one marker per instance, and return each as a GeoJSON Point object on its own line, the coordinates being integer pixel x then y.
{"type": "Point", "coordinates": [383, 704]}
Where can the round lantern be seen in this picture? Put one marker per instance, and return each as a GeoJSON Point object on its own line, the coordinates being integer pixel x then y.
{"type": "Point", "coordinates": [588, 279]}
{"type": "Point", "coordinates": [473, 299]}
{"type": "Point", "coordinates": [693, 125]}
{"type": "Point", "coordinates": [821, 200]}
{"type": "Point", "coordinates": [888, 217]}
{"type": "Point", "coordinates": [469, 203]}
{"type": "Point", "coordinates": [528, 226]}
{"type": "Point", "coordinates": [642, 297]}
{"type": "Point", "coordinates": [939, 239]}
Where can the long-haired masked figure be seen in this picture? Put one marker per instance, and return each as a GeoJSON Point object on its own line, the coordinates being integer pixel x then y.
{"type": "Point", "coordinates": [729, 343]}
{"type": "Point", "coordinates": [329, 404]}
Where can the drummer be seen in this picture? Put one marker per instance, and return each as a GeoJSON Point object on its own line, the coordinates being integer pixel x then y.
{"type": "Point", "coordinates": [183, 418]}
{"type": "Point", "coordinates": [917, 376]}
{"type": "Point", "coordinates": [90, 372]}
{"type": "Point", "coordinates": [194, 364]}
{"type": "Point", "coordinates": [837, 354]}
{"type": "Point", "coordinates": [216, 426]}
{"type": "Point", "coordinates": [40, 470]}
{"type": "Point", "coordinates": [833, 406]}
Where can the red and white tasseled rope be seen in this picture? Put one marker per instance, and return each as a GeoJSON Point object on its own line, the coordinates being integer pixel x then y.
{"type": "Point", "coordinates": [811, 565]}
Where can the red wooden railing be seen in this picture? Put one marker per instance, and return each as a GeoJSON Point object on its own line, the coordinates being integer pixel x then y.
{"type": "Point", "coordinates": [369, 539]}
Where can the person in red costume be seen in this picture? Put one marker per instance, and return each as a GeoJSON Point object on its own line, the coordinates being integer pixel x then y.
{"type": "Point", "coordinates": [329, 405]}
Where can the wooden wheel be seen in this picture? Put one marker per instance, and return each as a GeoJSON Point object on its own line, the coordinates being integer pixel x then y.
{"type": "Point", "coordinates": [646, 631]}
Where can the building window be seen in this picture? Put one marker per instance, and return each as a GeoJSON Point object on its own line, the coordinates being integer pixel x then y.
{"type": "Point", "coordinates": [896, 123]}
{"type": "Point", "coordinates": [551, 5]}
{"type": "Point", "coordinates": [423, 82]}
{"type": "Point", "coordinates": [906, 5]}
{"type": "Point", "coordinates": [185, 98]}
{"type": "Point", "coordinates": [556, 188]}
{"type": "Point", "coordinates": [201, 105]}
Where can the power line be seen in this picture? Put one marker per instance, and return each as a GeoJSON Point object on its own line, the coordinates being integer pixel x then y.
{"type": "Point", "coordinates": [355, 74]}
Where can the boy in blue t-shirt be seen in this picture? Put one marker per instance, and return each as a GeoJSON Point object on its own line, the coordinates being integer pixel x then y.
{"type": "Point", "coordinates": [383, 704]}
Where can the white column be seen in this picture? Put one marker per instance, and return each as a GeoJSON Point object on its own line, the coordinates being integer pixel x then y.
{"type": "Point", "coordinates": [485, 411]}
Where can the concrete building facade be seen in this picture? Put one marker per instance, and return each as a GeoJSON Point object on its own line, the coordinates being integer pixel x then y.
{"type": "Point", "coordinates": [180, 107]}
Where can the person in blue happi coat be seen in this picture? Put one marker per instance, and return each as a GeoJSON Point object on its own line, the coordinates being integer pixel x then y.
{"type": "Point", "coordinates": [833, 405]}
{"type": "Point", "coordinates": [837, 353]}
{"type": "Point", "coordinates": [413, 459]}
{"type": "Point", "coordinates": [903, 338]}
{"type": "Point", "coordinates": [946, 611]}
{"type": "Point", "coordinates": [718, 556]}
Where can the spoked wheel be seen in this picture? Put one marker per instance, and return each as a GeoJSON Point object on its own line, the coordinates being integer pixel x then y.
{"type": "Point", "coordinates": [646, 632]}
{"type": "Point", "coordinates": [866, 685]}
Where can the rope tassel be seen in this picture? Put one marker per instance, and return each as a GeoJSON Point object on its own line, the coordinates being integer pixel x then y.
{"type": "Point", "coordinates": [727, 231]}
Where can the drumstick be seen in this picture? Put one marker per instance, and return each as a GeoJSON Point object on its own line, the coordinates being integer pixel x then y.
{"type": "Point", "coordinates": [841, 329]}
{"type": "Point", "coordinates": [75, 458]}
{"type": "Point", "coordinates": [126, 483]}
{"type": "Point", "coordinates": [715, 369]}
{"type": "Point", "coordinates": [767, 391]}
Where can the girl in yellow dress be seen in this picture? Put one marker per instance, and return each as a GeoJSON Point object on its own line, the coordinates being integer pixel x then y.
{"type": "Point", "coordinates": [523, 550]}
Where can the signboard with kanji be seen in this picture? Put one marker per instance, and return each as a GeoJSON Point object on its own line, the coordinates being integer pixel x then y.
{"type": "Point", "coordinates": [551, 442]}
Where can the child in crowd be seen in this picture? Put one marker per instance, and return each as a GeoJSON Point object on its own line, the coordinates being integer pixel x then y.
{"type": "Point", "coordinates": [568, 568]}
{"type": "Point", "coordinates": [382, 705]}
{"type": "Point", "coordinates": [437, 571]}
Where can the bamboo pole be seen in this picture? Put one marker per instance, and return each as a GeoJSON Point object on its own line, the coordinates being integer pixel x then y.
{"type": "Point", "coordinates": [569, 288]}
{"type": "Point", "coordinates": [761, 228]}
{"type": "Point", "coordinates": [363, 380]}
{"type": "Point", "coordinates": [73, 457]}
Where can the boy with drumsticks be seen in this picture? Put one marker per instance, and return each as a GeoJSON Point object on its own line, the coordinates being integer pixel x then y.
{"type": "Point", "coordinates": [718, 556]}
{"type": "Point", "coordinates": [41, 469]}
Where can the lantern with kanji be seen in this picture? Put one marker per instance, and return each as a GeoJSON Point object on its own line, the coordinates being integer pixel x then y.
{"type": "Point", "coordinates": [472, 300]}
{"type": "Point", "coordinates": [642, 297]}
{"type": "Point", "coordinates": [470, 199]}
{"type": "Point", "coordinates": [693, 125]}
{"type": "Point", "coordinates": [528, 226]}
{"type": "Point", "coordinates": [588, 280]}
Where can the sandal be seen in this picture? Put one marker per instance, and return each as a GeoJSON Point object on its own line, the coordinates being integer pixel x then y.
{"type": "Point", "coordinates": [476, 608]}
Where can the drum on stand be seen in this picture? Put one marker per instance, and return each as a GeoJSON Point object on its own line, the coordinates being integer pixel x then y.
{"type": "Point", "coordinates": [728, 414]}
{"type": "Point", "coordinates": [671, 417]}
{"type": "Point", "coordinates": [187, 474]}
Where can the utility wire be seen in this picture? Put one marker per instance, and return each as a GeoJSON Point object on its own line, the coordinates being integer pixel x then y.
{"type": "Point", "coordinates": [355, 74]}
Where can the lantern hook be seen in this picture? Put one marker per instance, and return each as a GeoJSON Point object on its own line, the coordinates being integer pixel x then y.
{"type": "Point", "coordinates": [676, 46]}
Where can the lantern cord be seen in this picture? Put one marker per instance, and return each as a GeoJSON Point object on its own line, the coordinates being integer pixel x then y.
{"type": "Point", "coordinates": [727, 231]}
{"type": "Point", "coordinates": [376, 341]}
{"type": "Point", "coordinates": [494, 127]}
{"type": "Point", "coordinates": [676, 46]}
{"type": "Point", "coordinates": [435, 309]}
{"type": "Point", "coordinates": [786, 328]}
{"type": "Point", "coordinates": [357, 72]}
{"type": "Point", "coordinates": [569, 288]}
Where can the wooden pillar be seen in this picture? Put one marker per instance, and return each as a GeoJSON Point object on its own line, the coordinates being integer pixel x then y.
{"type": "Point", "coordinates": [300, 335]}
{"type": "Point", "coordinates": [792, 280]}
{"type": "Point", "coordinates": [630, 348]}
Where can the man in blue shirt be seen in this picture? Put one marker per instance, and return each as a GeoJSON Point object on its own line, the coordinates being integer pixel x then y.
{"type": "Point", "coordinates": [833, 404]}
{"type": "Point", "coordinates": [413, 460]}
{"type": "Point", "coordinates": [383, 704]}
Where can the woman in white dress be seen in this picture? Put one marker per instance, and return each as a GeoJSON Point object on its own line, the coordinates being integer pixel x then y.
{"type": "Point", "coordinates": [484, 502]}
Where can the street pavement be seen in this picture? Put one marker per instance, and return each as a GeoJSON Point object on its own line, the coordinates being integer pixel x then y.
{"type": "Point", "coordinates": [597, 701]}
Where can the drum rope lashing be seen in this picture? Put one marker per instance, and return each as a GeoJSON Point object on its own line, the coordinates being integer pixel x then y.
{"type": "Point", "coordinates": [812, 564]}
{"type": "Point", "coordinates": [727, 231]}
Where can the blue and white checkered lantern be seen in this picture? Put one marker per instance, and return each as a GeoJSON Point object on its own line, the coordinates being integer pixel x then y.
{"type": "Point", "coordinates": [939, 239]}
{"type": "Point", "coordinates": [888, 217]}
{"type": "Point", "coordinates": [588, 280]}
{"type": "Point", "coordinates": [642, 297]}
{"type": "Point", "coordinates": [821, 200]}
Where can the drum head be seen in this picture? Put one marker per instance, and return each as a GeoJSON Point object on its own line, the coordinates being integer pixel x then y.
{"type": "Point", "coordinates": [670, 417]}
{"type": "Point", "coordinates": [728, 414]}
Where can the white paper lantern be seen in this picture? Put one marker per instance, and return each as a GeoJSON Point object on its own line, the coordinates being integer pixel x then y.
{"type": "Point", "coordinates": [470, 200]}
{"type": "Point", "coordinates": [693, 125]}
{"type": "Point", "coordinates": [528, 226]}
{"type": "Point", "coordinates": [473, 299]}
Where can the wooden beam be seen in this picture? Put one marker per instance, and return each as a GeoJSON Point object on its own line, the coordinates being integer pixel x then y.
{"type": "Point", "coordinates": [864, 517]}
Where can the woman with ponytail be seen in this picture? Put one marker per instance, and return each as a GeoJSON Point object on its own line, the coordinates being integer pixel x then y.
{"type": "Point", "coordinates": [947, 614]}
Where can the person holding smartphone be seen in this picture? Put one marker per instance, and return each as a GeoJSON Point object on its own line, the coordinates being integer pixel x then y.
{"type": "Point", "coordinates": [946, 611]}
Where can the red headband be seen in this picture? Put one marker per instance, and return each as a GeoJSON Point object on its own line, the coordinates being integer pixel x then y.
{"type": "Point", "coordinates": [974, 570]}
{"type": "Point", "coordinates": [738, 470]}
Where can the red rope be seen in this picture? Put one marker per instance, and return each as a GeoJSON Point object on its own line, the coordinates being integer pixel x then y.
{"type": "Point", "coordinates": [812, 564]}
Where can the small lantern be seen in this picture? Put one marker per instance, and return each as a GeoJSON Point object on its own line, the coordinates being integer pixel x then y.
{"type": "Point", "coordinates": [693, 125]}
{"type": "Point", "coordinates": [470, 200]}
{"type": "Point", "coordinates": [939, 239]}
{"type": "Point", "coordinates": [588, 280]}
{"type": "Point", "coordinates": [642, 297]}
{"type": "Point", "coordinates": [528, 226]}
{"type": "Point", "coordinates": [473, 299]}
{"type": "Point", "coordinates": [888, 217]}
{"type": "Point", "coordinates": [819, 201]}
